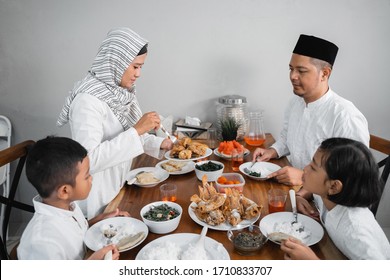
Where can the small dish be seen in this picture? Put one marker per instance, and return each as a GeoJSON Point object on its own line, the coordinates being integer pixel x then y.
{"type": "Point", "coordinates": [158, 173]}
{"type": "Point", "coordinates": [187, 168]}
{"type": "Point", "coordinates": [211, 175]}
{"type": "Point", "coordinates": [235, 178]}
{"type": "Point", "coordinates": [264, 168]}
{"type": "Point", "coordinates": [247, 241]}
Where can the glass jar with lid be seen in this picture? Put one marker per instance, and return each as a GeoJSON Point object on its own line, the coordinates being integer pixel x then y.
{"type": "Point", "coordinates": [234, 107]}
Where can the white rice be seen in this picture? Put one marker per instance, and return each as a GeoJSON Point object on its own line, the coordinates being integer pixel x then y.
{"type": "Point", "coordinates": [292, 229]}
{"type": "Point", "coordinates": [171, 251]}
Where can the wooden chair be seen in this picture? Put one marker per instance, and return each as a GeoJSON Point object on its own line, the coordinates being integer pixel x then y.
{"type": "Point", "coordinates": [383, 146]}
{"type": "Point", "coordinates": [12, 154]}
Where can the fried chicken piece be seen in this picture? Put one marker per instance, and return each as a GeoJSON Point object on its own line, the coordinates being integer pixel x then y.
{"type": "Point", "coordinates": [185, 154]}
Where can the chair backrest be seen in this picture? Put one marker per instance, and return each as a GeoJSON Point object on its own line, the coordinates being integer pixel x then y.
{"type": "Point", "coordinates": [9, 155]}
{"type": "Point", "coordinates": [383, 146]}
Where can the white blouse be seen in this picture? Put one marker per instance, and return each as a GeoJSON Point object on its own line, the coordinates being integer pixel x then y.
{"type": "Point", "coordinates": [355, 231]}
{"type": "Point", "coordinates": [110, 149]}
{"type": "Point", "coordinates": [307, 125]}
{"type": "Point", "coordinates": [53, 234]}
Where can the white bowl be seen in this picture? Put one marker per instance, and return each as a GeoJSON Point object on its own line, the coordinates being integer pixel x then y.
{"type": "Point", "coordinates": [211, 175]}
{"type": "Point", "coordinates": [162, 226]}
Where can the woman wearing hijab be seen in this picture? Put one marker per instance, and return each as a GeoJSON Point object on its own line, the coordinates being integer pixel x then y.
{"type": "Point", "coordinates": [105, 117]}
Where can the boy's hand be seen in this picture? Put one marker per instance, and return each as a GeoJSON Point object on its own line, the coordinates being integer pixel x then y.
{"type": "Point", "coordinates": [305, 208]}
{"type": "Point", "coordinates": [99, 255]}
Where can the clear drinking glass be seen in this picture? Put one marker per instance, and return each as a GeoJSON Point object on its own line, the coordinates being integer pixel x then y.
{"type": "Point", "coordinates": [255, 135]}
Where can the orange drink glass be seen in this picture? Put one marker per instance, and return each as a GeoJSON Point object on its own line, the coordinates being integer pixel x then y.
{"type": "Point", "coordinates": [276, 200]}
{"type": "Point", "coordinates": [168, 192]}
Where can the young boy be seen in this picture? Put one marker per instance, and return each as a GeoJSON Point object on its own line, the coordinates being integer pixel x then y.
{"type": "Point", "coordinates": [58, 168]}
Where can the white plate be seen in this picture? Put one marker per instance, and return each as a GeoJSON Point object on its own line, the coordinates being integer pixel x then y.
{"type": "Point", "coordinates": [268, 222]}
{"type": "Point", "coordinates": [159, 173]}
{"type": "Point", "coordinates": [95, 240]}
{"type": "Point", "coordinates": [218, 154]}
{"type": "Point", "coordinates": [207, 154]}
{"type": "Point", "coordinates": [265, 168]}
{"type": "Point", "coordinates": [214, 249]}
{"type": "Point", "coordinates": [190, 166]}
{"type": "Point", "coordinates": [224, 226]}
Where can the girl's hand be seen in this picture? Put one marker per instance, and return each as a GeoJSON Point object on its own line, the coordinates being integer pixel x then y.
{"type": "Point", "coordinates": [99, 255]}
{"type": "Point", "coordinates": [304, 207]}
{"type": "Point", "coordinates": [295, 250]}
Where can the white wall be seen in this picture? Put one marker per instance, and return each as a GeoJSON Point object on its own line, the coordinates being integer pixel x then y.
{"type": "Point", "coordinates": [199, 50]}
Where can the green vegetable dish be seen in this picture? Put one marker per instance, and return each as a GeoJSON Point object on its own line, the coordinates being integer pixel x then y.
{"type": "Point", "coordinates": [209, 166]}
{"type": "Point", "coordinates": [255, 174]}
{"type": "Point", "coordinates": [161, 213]}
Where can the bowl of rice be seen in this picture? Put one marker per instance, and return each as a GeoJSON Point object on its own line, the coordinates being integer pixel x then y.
{"type": "Point", "coordinates": [162, 216]}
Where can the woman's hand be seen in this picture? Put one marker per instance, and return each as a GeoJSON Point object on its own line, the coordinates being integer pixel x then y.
{"type": "Point", "coordinates": [264, 154]}
{"type": "Point", "coordinates": [167, 144]}
{"type": "Point", "coordinates": [288, 175]}
{"type": "Point", "coordinates": [147, 122]}
{"type": "Point", "coordinates": [295, 250]}
{"type": "Point", "coordinates": [99, 255]}
{"type": "Point", "coordinates": [112, 214]}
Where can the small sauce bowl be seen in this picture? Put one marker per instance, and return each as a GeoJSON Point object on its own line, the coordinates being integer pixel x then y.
{"type": "Point", "coordinates": [247, 241]}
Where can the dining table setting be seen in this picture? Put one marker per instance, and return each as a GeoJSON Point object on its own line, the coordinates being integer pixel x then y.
{"type": "Point", "coordinates": [185, 188]}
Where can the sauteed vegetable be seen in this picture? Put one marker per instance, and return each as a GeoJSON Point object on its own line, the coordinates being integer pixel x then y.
{"type": "Point", "coordinates": [161, 213]}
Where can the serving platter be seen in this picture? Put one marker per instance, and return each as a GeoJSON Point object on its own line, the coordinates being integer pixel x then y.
{"type": "Point", "coordinates": [207, 154]}
{"type": "Point", "coordinates": [225, 226]}
{"type": "Point", "coordinates": [214, 249]}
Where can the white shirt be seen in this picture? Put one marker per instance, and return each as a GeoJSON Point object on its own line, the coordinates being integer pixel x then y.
{"type": "Point", "coordinates": [53, 234]}
{"type": "Point", "coordinates": [355, 231]}
{"type": "Point", "coordinates": [307, 125]}
{"type": "Point", "coordinates": [110, 149]}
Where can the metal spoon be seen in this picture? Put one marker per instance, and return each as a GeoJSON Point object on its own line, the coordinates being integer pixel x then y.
{"type": "Point", "coordinates": [294, 210]}
{"type": "Point", "coordinates": [173, 138]}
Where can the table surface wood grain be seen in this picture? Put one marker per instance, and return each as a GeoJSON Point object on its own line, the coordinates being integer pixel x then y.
{"type": "Point", "coordinates": [133, 198]}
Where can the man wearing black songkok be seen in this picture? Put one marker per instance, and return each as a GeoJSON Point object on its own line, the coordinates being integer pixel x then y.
{"type": "Point", "coordinates": [314, 114]}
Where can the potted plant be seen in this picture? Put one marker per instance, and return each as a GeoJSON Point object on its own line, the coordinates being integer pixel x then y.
{"type": "Point", "coordinates": [229, 128]}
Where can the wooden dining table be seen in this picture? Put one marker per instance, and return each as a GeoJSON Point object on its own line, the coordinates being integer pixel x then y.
{"type": "Point", "coordinates": [133, 198]}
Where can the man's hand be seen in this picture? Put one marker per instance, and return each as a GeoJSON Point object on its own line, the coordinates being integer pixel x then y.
{"type": "Point", "coordinates": [288, 175]}
{"type": "Point", "coordinates": [264, 154]}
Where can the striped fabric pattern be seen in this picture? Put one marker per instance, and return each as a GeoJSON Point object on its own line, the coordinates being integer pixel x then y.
{"type": "Point", "coordinates": [115, 54]}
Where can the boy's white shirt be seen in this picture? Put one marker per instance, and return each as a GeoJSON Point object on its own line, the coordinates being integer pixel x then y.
{"type": "Point", "coordinates": [53, 234]}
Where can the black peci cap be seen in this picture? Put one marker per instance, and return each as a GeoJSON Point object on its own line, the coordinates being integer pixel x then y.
{"type": "Point", "coordinates": [317, 48]}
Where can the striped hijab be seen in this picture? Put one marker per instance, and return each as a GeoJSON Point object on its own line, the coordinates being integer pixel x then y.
{"type": "Point", "coordinates": [115, 54]}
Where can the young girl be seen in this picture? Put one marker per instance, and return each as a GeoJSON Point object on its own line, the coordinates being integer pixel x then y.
{"type": "Point", "coordinates": [344, 178]}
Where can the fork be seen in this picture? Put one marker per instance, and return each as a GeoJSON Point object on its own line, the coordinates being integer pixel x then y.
{"type": "Point", "coordinates": [173, 138]}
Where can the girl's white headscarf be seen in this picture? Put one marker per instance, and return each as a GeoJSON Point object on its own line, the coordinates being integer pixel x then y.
{"type": "Point", "coordinates": [115, 54]}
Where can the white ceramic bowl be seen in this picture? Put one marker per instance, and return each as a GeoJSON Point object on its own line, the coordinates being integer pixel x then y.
{"type": "Point", "coordinates": [162, 226]}
{"type": "Point", "coordinates": [211, 175]}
